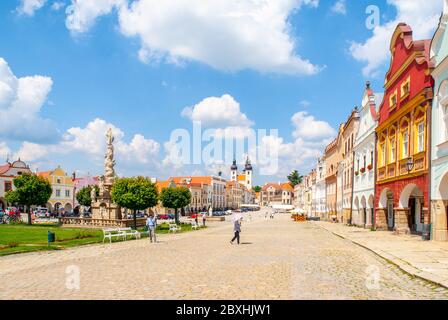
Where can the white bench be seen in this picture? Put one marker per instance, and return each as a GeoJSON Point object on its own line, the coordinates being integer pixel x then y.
{"type": "Point", "coordinates": [119, 233]}
{"type": "Point", "coordinates": [194, 226]}
{"type": "Point", "coordinates": [174, 228]}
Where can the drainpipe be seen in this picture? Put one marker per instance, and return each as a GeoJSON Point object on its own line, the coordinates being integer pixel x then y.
{"type": "Point", "coordinates": [429, 130]}
{"type": "Point", "coordinates": [353, 184]}
{"type": "Point", "coordinates": [375, 156]}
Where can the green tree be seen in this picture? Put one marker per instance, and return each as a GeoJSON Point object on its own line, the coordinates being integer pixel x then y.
{"type": "Point", "coordinates": [83, 196]}
{"type": "Point", "coordinates": [256, 188]}
{"type": "Point", "coordinates": [135, 194]}
{"type": "Point", "coordinates": [175, 198]}
{"type": "Point", "coordinates": [30, 190]}
{"type": "Point", "coordinates": [295, 178]}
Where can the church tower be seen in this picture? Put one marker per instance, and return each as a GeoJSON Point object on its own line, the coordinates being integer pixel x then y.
{"type": "Point", "coordinates": [248, 173]}
{"type": "Point", "coordinates": [234, 171]}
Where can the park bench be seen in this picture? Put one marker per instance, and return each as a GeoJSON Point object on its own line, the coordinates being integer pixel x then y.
{"type": "Point", "coordinates": [122, 233]}
{"type": "Point", "coordinates": [194, 225]}
{"type": "Point", "coordinates": [174, 228]}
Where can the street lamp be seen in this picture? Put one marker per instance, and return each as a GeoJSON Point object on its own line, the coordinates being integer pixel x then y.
{"type": "Point", "coordinates": [410, 164]}
{"type": "Point", "coordinates": [74, 190]}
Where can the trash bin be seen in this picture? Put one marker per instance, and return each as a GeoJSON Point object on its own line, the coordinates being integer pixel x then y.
{"type": "Point", "coordinates": [426, 232]}
{"type": "Point", "coordinates": [51, 237]}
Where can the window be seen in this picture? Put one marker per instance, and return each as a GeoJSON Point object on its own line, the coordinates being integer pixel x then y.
{"type": "Point", "coordinates": [421, 137]}
{"type": "Point", "coordinates": [405, 146]}
{"type": "Point", "coordinates": [392, 150]}
{"type": "Point", "coordinates": [371, 158]}
{"type": "Point", "coordinates": [67, 193]}
{"type": "Point", "coordinates": [365, 161]}
{"type": "Point", "coordinates": [383, 154]}
{"type": "Point", "coordinates": [58, 181]}
{"type": "Point", "coordinates": [58, 193]}
{"type": "Point", "coordinates": [8, 186]}
{"type": "Point", "coordinates": [393, 100]}
{"type": "Point", "coordinates": [406, 88]}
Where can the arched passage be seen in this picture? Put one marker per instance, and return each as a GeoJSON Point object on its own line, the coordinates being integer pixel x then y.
{"type": "Point", "coordinates": [356, 211]}
{"type": "Point", "coordinates": [441, 210]}
{"type": "Point", "coordinates": [371, 211]}
{"type": "Point", "coordinates": [386, 215]}
{"type": "Point", "coordinates": [363, 211]}
{"type": "Point", "coordinates": [411, 202]}
{"type": "Point", "coordinates": [68, 208]}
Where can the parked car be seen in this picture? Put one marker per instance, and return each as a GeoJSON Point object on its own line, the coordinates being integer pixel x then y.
{"type": "Point", "coordinates": [87, 214]}
{"type": "Point", "coordinates": [171, 216]}
{"type": "Point", "coordinates": [162, 217]}
{"type": "Point", "coordinates": [41, 212]}
{"type": "Point", "coordinates": [140, 215]}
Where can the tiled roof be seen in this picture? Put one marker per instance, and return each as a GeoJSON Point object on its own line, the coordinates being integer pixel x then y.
{"type": "Point", "coordinates": [44, 173]}
{"type": "Point", "coordinates": [203, 179]}
{"type": "Point", "coordinates": [4, 168]}
{"type": "Point", "coordinates": [162, 185]}
{"type": "Point", "coordinates": [241, 178]}
{"type": "Point", "coordinates": [277, 186]}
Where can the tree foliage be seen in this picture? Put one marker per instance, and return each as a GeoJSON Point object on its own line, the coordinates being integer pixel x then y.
{"type": "Point", "coordinates": [175, 198]}
{"type": "Point", "coordinates": [30, 190]}
{"type": "Point", "coordinates": [83, 196]}
{"type": "Point", "coordinates": [295, 178]}
{"type": "Point", "coordinates": [256, 188]}
{"type": "Point", "coordinates": [135, 194]}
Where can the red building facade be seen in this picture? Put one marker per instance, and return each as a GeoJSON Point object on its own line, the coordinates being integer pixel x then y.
{"type": "Point", "coordinates": [403, 136]}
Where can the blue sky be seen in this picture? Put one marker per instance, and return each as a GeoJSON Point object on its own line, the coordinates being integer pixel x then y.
{"type": "Point", "coordinates": [96, 73]}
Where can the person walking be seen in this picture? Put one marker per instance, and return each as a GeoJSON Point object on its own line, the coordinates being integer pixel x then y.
{"type": "Point", "coordinates": [236, 230]}
{"type": "Point", "coordinates": [204, 218]}
{"type": "Point", "coordinates": [151, 223]}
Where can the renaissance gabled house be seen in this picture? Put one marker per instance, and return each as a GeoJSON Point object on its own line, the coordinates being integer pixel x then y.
{"type": "Point", "coordinates": [364, 166]}
{"type": "Point", "coordinates": [402, 175]}
{"type": "Point", "coordinates": [439, 123]}
{"type": "Point", "coordinates": [8, 172]}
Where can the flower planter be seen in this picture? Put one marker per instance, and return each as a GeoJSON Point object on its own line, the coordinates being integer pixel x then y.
{"type": "Point", "coordinates": [369, 167]}
{"type": "Point", "coordinates": [356, 173]}
{"type": "Point", "coordinates": [363, 170]}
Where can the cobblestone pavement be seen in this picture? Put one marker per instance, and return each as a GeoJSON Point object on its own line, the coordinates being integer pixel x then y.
{"type": "Point", "coordinates": [278, 259]}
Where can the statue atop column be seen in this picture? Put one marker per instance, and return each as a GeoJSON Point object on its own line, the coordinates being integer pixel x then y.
{"type": "Point", "coordinates": [109, 162]}
{"type": "Point", "coordinates": [104, 208]}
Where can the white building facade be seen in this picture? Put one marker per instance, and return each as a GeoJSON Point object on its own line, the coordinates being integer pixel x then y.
{"type": "Point", "coordinates": [439, 128]}
{"type": "Point", "coordinates": [364, 166]}
{"type": "Point", "coordinates": [320, 194]}
{"type": "Point", "coordinates": [8, 172]}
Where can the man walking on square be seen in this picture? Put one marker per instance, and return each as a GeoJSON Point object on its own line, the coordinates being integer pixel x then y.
{"type": "Point", "coordinates": [204, 218]}
{"type": "Point", "coordinates": [151, 223]}
{"type": "Point", "coordinates": [237, 230]}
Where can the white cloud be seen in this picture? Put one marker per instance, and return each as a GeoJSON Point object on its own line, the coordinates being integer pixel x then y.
{"type": "Point", "coordinates": [88, 143]}
{"type": "Point", "coordinates": [57, 5]}
{"type": "Point", "coordinates": [82, 14]}
{"type": "Point", "coordinates": [28, 7]}
{"type": "Point", "coordinates": [227, 35]}
{"type": "Point", "coordinates": [21, 100]}
{"type": "Point", "coordinates": [307, 127]}
{"type": "Point", "coordinates": [218, 112]}
{"type": "Point", "coordinates": [339, 7]}
{"type": "Point", "coordinates": [310, 138]}
{"type": "Point", "coordinates": [422, 15]}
